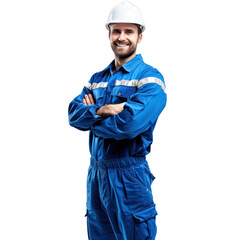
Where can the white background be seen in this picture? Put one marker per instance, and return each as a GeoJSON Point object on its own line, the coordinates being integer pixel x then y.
{"type": "Point", "coordinates": [49, 50]}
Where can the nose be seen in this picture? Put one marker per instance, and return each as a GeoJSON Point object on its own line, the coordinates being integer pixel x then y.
{"type": "Point", "coordinates": [121, 36]}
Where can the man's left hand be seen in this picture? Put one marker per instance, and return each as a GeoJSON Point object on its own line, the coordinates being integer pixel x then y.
{"type": "Point", "coordinates": [88, 99]}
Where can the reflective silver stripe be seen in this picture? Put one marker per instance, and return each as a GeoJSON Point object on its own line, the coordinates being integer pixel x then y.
{"type": "Point", "coordinates": [97, 85]}
{"type": "Point", "coordinates": [89, 86]}
{"type": "Point", "coordinates": [129, 83]}
{"type": "Point", "coordinates": [151, 80]}
{"type": "Point", "coordinates": [139, 83]}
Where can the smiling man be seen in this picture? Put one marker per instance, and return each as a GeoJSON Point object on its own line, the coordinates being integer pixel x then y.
{"type": "Point", "coordinates": [120, 106]}
{"type": "Point", "coordinates": [124, 38]}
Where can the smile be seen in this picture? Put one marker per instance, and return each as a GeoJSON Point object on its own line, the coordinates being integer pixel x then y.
{"type": "Point", "coordinates": [121, 45]}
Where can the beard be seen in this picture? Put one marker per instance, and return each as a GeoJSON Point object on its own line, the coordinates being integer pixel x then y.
{"type": "Point", "coordinates": [125, 54]}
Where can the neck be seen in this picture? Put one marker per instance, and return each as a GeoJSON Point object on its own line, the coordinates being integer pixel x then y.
{"type": "Point", "coordinates": [119, 62]}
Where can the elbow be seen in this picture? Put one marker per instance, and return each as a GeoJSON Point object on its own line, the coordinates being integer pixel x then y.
{"type": "Point", "coordinates": [71, 115]}
{"type": "Point", "coordinates": [130, 131]}
{"type": "Point", "coordinates": [71, 122]}
{"type": "Point", "coordinates": [75, 121]}
{"type": "Point", "coordinates": [124, 135]}
{"type": "Point", "coordinates": [78, 125]}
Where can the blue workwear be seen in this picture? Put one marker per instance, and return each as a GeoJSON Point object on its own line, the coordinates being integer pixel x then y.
{"type": "Point", "coordinates": [119, 197]}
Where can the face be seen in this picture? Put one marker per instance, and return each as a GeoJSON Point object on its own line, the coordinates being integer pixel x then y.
{"type": "Point", "coordinates": [124, 39]}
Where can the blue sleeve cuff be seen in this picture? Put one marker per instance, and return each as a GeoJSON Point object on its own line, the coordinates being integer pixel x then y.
{"type": "Point", "coordinates": [93, 111]}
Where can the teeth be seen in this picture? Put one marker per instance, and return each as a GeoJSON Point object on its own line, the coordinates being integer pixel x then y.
{"type": "Point", "coordinates": [121, 45]}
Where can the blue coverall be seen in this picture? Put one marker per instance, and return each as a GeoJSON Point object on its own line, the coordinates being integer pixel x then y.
{"type": "Point", "coordinates": [119, 197]}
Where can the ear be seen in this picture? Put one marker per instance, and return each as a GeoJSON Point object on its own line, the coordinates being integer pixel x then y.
{"type": "Point", "coordinates": [109, 30]}
{"type": "Point", "coordinates": [140, 37]}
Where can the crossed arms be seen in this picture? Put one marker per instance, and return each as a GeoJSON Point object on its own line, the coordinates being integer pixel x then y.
{"type": "Point", "coordinates": [104, 111]}
{"type": "Point", "coordinates": [118, 121]}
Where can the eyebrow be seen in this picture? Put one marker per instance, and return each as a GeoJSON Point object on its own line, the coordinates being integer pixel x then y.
{"type": "Point", "coordinates": [127, 29]}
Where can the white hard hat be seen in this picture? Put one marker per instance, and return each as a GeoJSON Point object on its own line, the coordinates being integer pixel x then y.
{"type": "Point", "coordinates": [126, 12]}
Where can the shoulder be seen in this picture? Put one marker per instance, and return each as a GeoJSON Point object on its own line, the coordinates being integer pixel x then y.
{"type": "Point", "coordinates": [98, 76]}
{"type": "Point", "coordinates": [147, 70]}
{"type": "Point", "coordinates": [148, 74]}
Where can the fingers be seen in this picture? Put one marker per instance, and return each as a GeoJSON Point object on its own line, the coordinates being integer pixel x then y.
{"type": "Point", "coordinates": [88, 99]}
{"type": "Point", "coordinates": [91, 99]}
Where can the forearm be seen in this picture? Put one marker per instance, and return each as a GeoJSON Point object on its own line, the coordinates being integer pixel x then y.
{"type": "Point", "coordinates": [110, 110]}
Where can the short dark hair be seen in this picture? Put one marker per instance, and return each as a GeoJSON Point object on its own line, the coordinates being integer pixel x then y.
{"type": "Point", "coordinates": [139, 29]}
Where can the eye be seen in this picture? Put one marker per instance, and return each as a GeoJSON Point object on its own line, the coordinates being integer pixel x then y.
{"type": "Point", "coordinates": [129, 31]}
{"type": "Point", "coordinates": [115, 31]}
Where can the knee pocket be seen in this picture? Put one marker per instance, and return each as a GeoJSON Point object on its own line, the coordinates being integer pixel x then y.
{"type": "Point", "coordinates": [145, 223]}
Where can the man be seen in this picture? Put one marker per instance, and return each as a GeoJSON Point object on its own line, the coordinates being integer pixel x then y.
{"type": "Point", "coordinates": [120, 106]}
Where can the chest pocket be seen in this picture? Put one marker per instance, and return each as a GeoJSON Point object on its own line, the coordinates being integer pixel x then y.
{"type": "Point", "coordinates": [122, 93]}
{"type": "Point", "coordinates": [98, 95]}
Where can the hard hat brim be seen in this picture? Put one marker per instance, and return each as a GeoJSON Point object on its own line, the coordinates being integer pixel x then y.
{"type": "Point", "coordinates": [120, 21]}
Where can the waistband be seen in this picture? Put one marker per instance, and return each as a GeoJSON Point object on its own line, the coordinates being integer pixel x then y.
{"type": "Point", "coordinates": [116, 163]}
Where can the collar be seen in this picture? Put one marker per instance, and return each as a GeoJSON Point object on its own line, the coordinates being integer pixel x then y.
{"type": "Point", "coordinates": [128, 66]}
{"type": "Point", "coordinates": [131, 64]}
